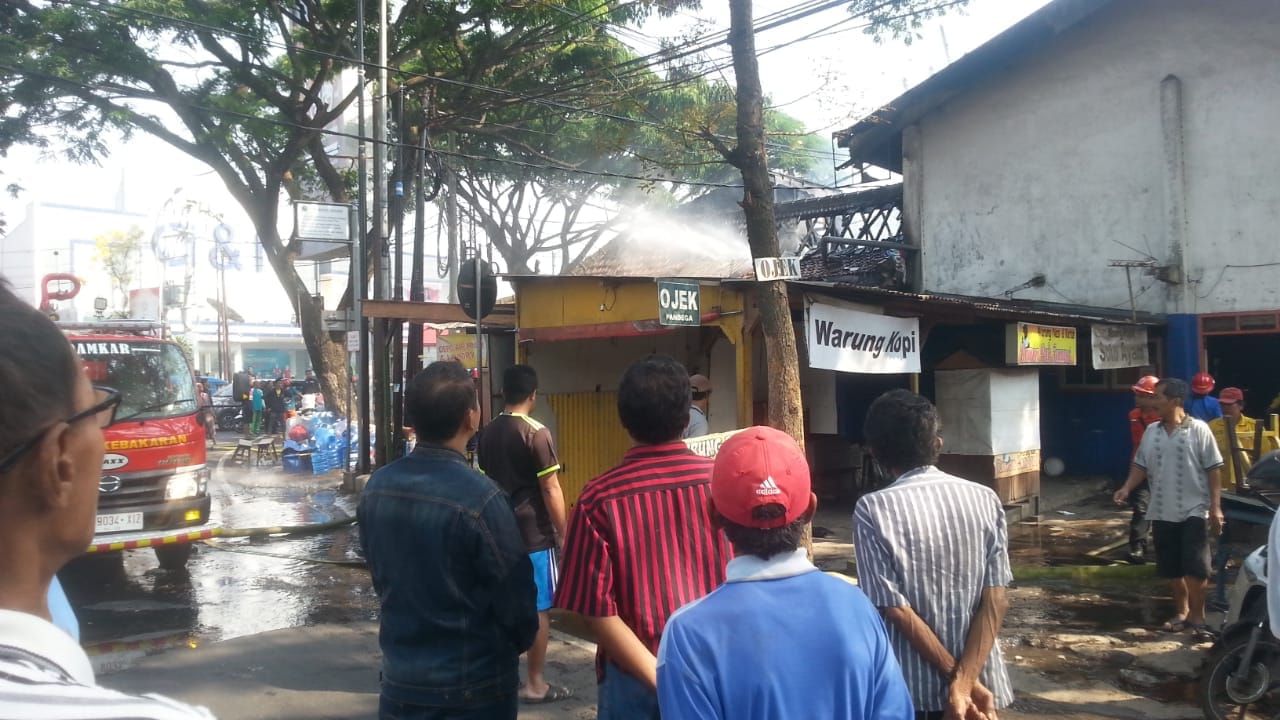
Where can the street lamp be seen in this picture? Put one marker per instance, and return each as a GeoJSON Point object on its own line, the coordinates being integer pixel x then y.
{"type": "Point", "coordinates": [222, 256]}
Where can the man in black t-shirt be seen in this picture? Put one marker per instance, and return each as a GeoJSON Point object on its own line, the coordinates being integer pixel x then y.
{"type": "Point", "coordinates": [517, 452]}
{"type": "Point", "coordinates": [310, 383]}
{"type": "Point", "coordinates": [275, 400]}
{"type": "Point", "coordinates": [242, 391]}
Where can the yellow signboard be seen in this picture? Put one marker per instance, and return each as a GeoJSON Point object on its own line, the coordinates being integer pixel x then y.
{"type": "Point", "coordinates": [1032, 344]}
{"type": "Point", "coordinates": [458, 347]}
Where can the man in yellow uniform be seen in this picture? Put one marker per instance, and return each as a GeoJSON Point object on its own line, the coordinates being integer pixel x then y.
{"type": "Point", "coordinates": [1232, 401]}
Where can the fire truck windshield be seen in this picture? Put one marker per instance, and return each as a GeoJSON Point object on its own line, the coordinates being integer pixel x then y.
{"type": "Point", "coordinates": [154, 378]}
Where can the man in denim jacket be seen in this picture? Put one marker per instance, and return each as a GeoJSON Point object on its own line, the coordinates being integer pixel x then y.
{"type": "Point", "coordinates": [450, 568]}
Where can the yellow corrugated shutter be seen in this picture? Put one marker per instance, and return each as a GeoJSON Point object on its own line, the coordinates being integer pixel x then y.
{"type": "Point", "coordinates": [589, 437]}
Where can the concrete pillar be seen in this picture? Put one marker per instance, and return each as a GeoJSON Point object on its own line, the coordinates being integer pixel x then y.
{"type": "Point", "coordinates": [1182, 348]}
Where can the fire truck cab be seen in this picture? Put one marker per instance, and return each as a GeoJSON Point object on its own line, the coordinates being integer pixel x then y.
{"type": "Point", "coordinates": [154, 486]}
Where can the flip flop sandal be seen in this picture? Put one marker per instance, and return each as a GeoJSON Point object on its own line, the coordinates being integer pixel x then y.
{"type": "Point", "coordinates": [1174, 625]}
{"type": "Point", "coordinates": [555, 693]}
{"type": "Point", "coordinates": [1202, 631]}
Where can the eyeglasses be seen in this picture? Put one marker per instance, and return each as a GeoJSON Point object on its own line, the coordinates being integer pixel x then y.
{"type": "Point", "coordinates": [104, 409]}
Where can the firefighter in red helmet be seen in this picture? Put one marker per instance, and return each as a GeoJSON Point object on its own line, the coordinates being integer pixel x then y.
{"type": "Point", "coordinates": [1201, 405]}
{"type": "Point", "coordinates": [1140, 417]}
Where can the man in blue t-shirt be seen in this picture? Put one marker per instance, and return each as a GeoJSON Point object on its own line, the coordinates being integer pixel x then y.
{"type": "Point", "coordinates": [744, 651]}
{"type": "Point", "coordinates": [1201, 405]}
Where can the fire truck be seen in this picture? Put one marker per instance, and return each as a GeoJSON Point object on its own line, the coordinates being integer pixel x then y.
{"type": "Point", "coordinates": [154, 487]}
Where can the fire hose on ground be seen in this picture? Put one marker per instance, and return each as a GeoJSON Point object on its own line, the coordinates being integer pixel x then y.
{"type": "Point", "coordinates": [283, 530]}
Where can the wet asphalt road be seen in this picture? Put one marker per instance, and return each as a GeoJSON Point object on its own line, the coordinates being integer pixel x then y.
{"type": "Point", "coordinates": [128, 607]}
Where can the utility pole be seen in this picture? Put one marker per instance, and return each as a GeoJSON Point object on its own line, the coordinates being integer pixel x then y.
{"type": "Point", "coordinates": [224, 330]}
{"type": "Point", "coordinates": [782, 358]}
{"type": "Point", "coordinates": [451, 225]}
{"type": "Point", "coordinates": [397, 326]}
{"type": "Point", "coordinates": [416, 292]}
{"type": "Point", "coordinates": [380, 385]}
{"type": "Point", "coordinates": [359, 254]}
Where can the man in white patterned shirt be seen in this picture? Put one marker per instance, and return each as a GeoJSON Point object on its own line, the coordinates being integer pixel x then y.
{"type": "Point", "coordinates": [1181, 459]}
{"type": "Point", "coordinates": [933, 556]}
{"type": "Point", "coordinates": [51, 451]}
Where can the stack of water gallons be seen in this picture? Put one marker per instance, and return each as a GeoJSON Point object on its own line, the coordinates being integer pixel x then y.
{"type": "Point", "coordinates": [331, 445]}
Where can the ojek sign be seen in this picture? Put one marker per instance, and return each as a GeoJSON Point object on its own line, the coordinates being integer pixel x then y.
{"type": "Point", "coordinates": [849, 340]}
{"type": "Point", "coordinates": [678, 303]}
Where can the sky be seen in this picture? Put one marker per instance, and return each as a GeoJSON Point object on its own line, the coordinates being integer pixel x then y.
{"type": "Point", "coordinates": [828, 82]}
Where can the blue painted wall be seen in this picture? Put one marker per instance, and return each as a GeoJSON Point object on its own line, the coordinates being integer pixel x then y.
{"type": "Point", "coordinates": [1183, 346]}
{"type": "Point", "coordinates": [1089, 431]}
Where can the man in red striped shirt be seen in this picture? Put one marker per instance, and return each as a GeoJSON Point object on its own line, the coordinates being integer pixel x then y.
{"type": "Point", "coordinates": [640, 543]}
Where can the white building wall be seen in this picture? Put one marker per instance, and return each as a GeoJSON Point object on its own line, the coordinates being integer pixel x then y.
{"type": "Point", "coordinates": [61, 238]}
{"type": "Point", "coordinates": [1058, 166]}
{"type": "Point", "coordinates": [58, 238]}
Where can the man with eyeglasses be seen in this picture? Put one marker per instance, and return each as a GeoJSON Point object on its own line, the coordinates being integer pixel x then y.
{"type": "Point", "coordinates": [51, 450]}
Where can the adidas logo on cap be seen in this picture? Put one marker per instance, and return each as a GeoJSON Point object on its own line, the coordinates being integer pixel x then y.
{"type": "Point", "coordinates": [768, 487]}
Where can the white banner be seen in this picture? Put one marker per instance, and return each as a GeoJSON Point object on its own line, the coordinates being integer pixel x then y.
{"type": "Point", "coordinates": [708, 445]}
{"type": "Point", "coordinates": [1119, 346]}
{"type": "Point", "coordinates": [848, 340]}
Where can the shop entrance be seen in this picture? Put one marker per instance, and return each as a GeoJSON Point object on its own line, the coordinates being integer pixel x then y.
{"type": "Point", "coordinates": [1249, 363]}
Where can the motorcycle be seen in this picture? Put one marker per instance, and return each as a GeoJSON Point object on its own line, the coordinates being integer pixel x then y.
{"type": "Point", "coordinates": [230, 418]}
{"type": "Point", "coordinates": [1243, 668]}
{"type": "Point", "coordinates": [1242, 673]}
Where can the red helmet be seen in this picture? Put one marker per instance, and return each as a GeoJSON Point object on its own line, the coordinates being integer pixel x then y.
{"type": "Point", "coordinates": [1202, 384]}
{"type": "Point", "coordinates": [1146, 385]}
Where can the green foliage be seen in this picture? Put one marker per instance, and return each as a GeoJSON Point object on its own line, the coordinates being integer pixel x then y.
{"type": "Point", "coordinates": [118, 253]}
{"type": "Point", "coordinates": [513, 93]}
{"type": "Point", "coordinates": [901, 19]}
{"type": "Point", "coordinates": [184, 344]}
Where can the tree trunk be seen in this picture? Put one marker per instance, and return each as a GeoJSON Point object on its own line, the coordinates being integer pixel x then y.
{"type": "Point", "coordinates": [328, 359]}
{"type": "Point", "coordinates": [782, 358]}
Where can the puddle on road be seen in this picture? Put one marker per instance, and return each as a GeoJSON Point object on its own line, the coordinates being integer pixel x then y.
{"type": "Point", "coordinates": [128, 607]}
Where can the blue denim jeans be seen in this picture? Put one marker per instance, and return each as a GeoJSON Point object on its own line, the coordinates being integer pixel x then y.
{"type": "Point", "coordinates": [501, 709]}
{"type": "Point", "coordinates": [622, 697]}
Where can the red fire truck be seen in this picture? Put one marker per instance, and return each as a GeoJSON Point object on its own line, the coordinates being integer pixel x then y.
{"type": "Point", "coordinates": [154, 486]}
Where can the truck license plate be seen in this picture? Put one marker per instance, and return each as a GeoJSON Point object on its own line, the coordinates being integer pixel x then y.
{"type": "Point", "coordinates": [119, 522]}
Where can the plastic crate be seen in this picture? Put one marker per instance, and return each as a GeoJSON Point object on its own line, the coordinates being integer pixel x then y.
{"type": "Point", "coordinates": [296, 462]}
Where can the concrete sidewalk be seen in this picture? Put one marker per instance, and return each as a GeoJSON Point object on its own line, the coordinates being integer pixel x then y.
{"type": "Point", "coordinates": [328, 672]}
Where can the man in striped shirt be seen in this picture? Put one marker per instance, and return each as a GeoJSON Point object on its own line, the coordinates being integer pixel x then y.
{"type": "Point", "coordinates": [932, 553]}
{"type": "Point", "coordinates": [640, 543]}
{"type": "Point", "coordinates": [51, 451]}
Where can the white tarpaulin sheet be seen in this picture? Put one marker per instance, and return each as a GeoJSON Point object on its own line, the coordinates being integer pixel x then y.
{"type": "Point", "coordinates": [989, 412]}
{"type": "Point", "coordinates": [1119, 346]}
{"type": "Point", "coordinates": [848, 340]}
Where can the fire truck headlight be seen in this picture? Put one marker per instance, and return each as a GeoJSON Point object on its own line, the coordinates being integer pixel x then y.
{"type": "Point", "coordinates": [187, 485]}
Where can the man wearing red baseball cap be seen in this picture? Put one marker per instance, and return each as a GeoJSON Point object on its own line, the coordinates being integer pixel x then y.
{"type": "Point", "coordinates": [1235, 433]}
{"type": "Point", "coordinates": [720, 655]}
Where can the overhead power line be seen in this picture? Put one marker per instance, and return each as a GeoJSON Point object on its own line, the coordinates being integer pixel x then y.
{"type": "Point", "coordinates": [767, 22]}
{"type": "Point", "coordinates": [407, 146]}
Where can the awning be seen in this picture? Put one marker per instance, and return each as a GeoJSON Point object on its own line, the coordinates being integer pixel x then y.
{"type": "Point", "coordinates": [435, 313]}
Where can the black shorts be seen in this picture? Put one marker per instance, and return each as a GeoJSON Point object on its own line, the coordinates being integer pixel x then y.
{"type": "Point", "coordinates": [1182, 548]}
